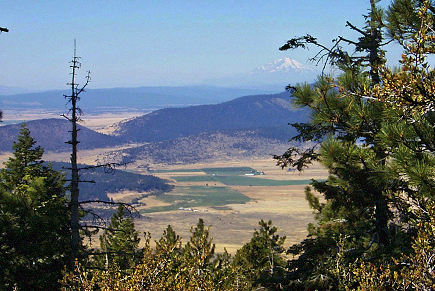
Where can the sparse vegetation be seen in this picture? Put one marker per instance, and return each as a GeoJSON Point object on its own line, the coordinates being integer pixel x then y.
{"type": "Point", "coordinates": [199, 197]}
{"type": "Point", "coordinates": [235, 176]}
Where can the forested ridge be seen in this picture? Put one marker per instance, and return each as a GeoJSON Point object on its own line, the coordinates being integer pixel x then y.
{"type": "Point", "coordinates": [103, 182]}
{"type": "Point", "coordinates": [206, 147]}
{"type": "Point", "coordinates": [248, 112]}
{"type": "Point", "coordinates": [372, 128]}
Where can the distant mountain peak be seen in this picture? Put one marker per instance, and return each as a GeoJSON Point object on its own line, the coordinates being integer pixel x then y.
{"type": "Point", "coordinates": [284, 65]}
{"type": "Point", "coordinates": [276, 74]}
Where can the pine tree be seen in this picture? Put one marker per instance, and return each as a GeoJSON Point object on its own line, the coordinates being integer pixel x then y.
{"type": "Point", "coordinates": [169, 253]}
{"type": "Point", "coordinates": [376, 138]}
{"type": "Point", "coordinates": [259, 262]}
{"type": "Point", "coordinates": [167, 267]}
{"type": "Point", "coordinates": [161, 269]}
{"type": "Point", "coordinates": [120, 242]}
{"type": "Point", "coordinates": [198, 254]}
{"type": "Point", "coordinates": [403, 19]}
{"type": "Point", "coordinates": [409, 136]}
{"type": "Point", "coordinates": [34, 228]}
{"type": "Point", "coordinates": [364, 211]}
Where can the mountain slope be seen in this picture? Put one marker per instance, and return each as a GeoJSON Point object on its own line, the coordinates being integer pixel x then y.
{"type": "Point", "coordinates": [247, 112]}
{"type": "Point", "coordinates": [52, 134]}
{"type": "Point", "coordinates": [250, 126]}
{"type": "Point", "coordinates": [222, 146]}
{"type": "Point", "coordinates": [114, 182]}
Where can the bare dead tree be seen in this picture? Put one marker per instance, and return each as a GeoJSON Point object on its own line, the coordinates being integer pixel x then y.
{"type": "Point", "coordinates": [2, 29]}
{"type": "Point", "coordinates": [75, 116]}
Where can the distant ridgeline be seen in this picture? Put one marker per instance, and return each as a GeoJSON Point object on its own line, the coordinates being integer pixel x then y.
{"type": "Point", "coordinates": [51, 134]}
{"type": "Point", "coordinates": [249, 126]}
{"type": "Point", "coordinates": [244, 113]}
{"type": "Point", "coordinates": [121, 99]}
{"type": "Point", "coordinates": [114, 182]}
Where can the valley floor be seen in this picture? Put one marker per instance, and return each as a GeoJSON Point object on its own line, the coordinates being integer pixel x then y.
{"type": "Point", "coordinates": [232, 224]}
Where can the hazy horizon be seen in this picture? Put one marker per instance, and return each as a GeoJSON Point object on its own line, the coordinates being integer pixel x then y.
{"type": "Point", "coordinates": [171, 43]}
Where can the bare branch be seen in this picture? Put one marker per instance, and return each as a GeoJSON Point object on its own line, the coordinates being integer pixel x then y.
{"type": "Point", "coordinates": [126, 206]}
{"type": "Point", "coordinates": [353, 27]}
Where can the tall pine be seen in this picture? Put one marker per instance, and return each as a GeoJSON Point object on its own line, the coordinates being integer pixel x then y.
{"type": "Point", "coordinates": [34, 220]}
{"type": "Point", "coordinates": [120, 241]}
{"type": "Point", "coordinates": [363, 213]}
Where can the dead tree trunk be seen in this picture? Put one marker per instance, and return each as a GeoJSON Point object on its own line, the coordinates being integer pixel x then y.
{"type": "Point", "coordinates": [74, 186]}
{"type": "Point", "coordinates": [2, 29]}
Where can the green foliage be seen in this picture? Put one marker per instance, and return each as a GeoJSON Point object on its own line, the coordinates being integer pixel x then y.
{"type": "Point", "coordinates": [259, 261]}
{"type": "Point", "coordinates": [356, 211]}
{"type": "Point", "coordinates": [412, 271]}
{"type": "Point", "coordinates": [34, 220]}
{"type": "Point", "coordinates": [403, 18]}
{"type": "Point", "coordinates": [120, 242]}
{"type": "Point", "coordinates": [373, 130]}
{"type": "Point", "coordinates": [167, 267]}
{"type": "Point", "coordinates": [198, 254]}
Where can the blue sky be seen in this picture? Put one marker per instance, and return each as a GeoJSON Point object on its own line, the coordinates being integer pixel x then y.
{"type": "Point", "coordinates": [139, 43]}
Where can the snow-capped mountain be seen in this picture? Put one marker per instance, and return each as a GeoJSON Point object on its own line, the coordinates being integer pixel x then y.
{"type": "Point", "coordinates": [277, 74]}
{"type": "Point", "coordinates": [282, 65]}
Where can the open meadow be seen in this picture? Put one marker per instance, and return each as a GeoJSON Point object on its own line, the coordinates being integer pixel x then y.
{"type": "Point", "coordinates": [230, 199]}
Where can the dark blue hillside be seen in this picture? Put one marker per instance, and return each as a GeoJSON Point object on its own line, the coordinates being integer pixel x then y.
{"type": "Point", "coordinates": [114, 182]}
{"type": "Point", "coordinates": [260, 111]}
{"type": "Point", "coordinates": [140, 98]}
{"type": "Point", "coordinates": [51, 134]}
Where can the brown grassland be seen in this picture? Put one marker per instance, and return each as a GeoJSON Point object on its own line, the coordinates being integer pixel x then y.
{"type": "Point", "coordinates": [231, 225]}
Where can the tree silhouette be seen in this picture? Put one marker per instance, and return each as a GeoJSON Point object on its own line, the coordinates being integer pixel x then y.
{"type": "Point", "coordinates": [34, 228]}
{"type": "Point", "coordinates": [373, 130]}
{"type": "Point", "coordinates": [76, 206]}
{"type": "Point", "coordinates": [2, 29]}
{"type": "Point", "coordinates": [75, 112]}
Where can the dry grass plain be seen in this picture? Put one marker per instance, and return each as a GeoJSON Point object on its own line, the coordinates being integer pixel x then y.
{"type": "Point", "coordinates": [231, 225]}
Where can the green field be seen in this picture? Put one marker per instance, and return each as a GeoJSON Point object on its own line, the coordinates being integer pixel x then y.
{"type": "Point", "coordinates": [199, 196]}
{"type": "Point", "coordinates": [177, 171]}
{"type": "Point", "coordinates": [253, 181]}
{"type": "Point", "coordinates": [194, 178]}
{"type": "Point", "coordinates": [236, 180]}
{"type": "Point", "coordinates": [209, 195]}
{"type": "Point", "coordinates": [228, 171]}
